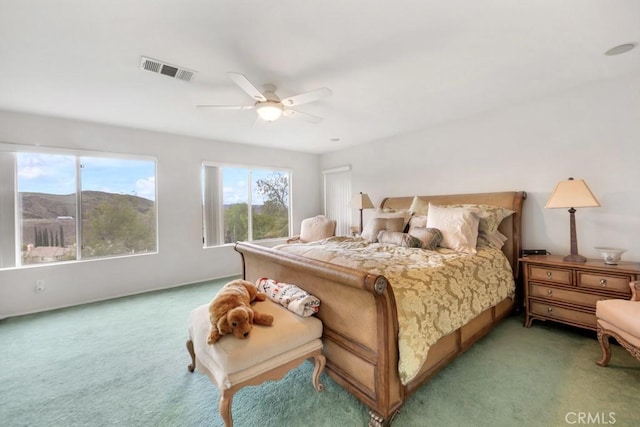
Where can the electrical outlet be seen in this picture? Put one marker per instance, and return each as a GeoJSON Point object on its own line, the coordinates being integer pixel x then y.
{"type": "Point", "coordinates": [40, 285]}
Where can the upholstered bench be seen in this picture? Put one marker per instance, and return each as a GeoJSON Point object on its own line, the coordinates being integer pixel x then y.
{"type": "Point", "coordinates": [267, 354]}
{"type": "Point", "coordinates": [619, 319]}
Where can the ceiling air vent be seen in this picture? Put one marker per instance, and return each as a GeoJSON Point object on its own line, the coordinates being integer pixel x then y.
{"type": "Point", "coordinates": [160, 67]}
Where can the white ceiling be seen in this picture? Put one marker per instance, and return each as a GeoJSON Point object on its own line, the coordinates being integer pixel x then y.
{"type": "Point", "coordinates": [393, 66]}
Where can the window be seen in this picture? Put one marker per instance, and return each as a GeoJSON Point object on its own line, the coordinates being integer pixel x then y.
{"type": "Point", "coordinates": [80, 207]}
{"type": "Point", "coordinates": [47, 206]}
{"type": "Point", "coordinates": [117, 206]}
{"type": "Point", "coordinates": [244, 204]}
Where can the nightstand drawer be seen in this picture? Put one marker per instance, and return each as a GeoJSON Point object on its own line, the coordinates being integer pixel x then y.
{"type": "Point", "coordinates": [550, 275]}
{"type": "Point", "coordinates": [563, 314]}
{"type": "Point", "coordinates": [572, 297]}
{"type": "Point", "coordinates": [604, 282]}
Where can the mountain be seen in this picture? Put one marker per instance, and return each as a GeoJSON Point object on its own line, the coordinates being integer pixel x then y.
{"type": "Point", "coordinates": [44, 206]}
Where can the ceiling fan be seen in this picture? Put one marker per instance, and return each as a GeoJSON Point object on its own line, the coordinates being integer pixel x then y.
{"type": "Point", "coordinates": [268, 105]}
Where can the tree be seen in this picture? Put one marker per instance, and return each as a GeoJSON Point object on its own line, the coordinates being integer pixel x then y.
{"type": "Point", "coordinates": [272, 220]}
{"type": "Point", "coordinates": [116, 227]}
{"type": "Point", "coordinates": [236, 221]}
{"type": "Point", "coordinates": [275, 189]}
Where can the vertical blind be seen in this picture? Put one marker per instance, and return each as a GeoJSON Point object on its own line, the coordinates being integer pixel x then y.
{"type": "Point", "coordinates": [337, 193]}
{"type": "Point", "coordinates": [7, 210]}
{"type": "Point", "coordinates": [212, 200]}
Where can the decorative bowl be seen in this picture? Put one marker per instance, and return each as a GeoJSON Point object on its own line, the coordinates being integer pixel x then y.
{"type": "Point", "coordinates": [611, 256]}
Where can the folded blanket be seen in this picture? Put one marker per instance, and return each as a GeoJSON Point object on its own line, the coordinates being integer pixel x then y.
{"type": "Point", "coordinates": [290, 296]}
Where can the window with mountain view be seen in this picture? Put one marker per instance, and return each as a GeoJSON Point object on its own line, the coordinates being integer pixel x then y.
{"type": "Point", "coordinates": [243, 204]}
{"type": "Point", "coordinates": [85, 207]}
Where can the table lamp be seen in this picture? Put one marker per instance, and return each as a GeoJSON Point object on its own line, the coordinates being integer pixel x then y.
{"type": "Point", "coordinates": [572, 193]}
{"type": "Point", "coordinates": [361, 201]}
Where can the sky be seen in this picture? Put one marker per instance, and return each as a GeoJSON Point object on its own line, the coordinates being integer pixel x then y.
{"type": "Point", "coordinates": [56, 174]}
{"type": "Point", "coordinates": [235, 185]}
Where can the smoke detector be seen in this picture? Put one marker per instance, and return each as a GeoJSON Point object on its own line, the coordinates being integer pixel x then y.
{"type": "Point", "coordinates": [166, 69]}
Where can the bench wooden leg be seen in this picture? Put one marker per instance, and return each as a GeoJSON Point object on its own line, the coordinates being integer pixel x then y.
{"type": "Point", "coordinates": [319, 362]}
{"type": "Point", "coordinates": [603, 339]}
{"type": "Point", "coordinates": [224, 407]}
{"type": "Point", "coordinates": [192, 353]}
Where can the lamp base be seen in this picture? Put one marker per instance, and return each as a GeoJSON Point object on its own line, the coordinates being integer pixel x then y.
{"type": "Point", "coordinates": [574, 258]}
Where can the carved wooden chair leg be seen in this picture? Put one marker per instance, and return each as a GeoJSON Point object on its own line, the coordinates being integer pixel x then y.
{"type": "Point", "coordinates": [603, 338]}
{"type": "Point", "coordinates": [224, 407]}
{"type": "Point", "coordinates": [192, 353]}
{"type": "Point", "coordinates": [319, 361]}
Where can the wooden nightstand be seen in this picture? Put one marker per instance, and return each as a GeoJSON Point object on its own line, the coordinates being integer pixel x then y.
{"type": "Point", "coordinates": [567, 292]}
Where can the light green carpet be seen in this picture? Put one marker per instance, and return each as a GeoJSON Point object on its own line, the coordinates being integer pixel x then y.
{"type": "Point", "coordinates": [123, 362]}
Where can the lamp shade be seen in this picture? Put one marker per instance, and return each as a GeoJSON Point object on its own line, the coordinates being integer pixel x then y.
{"type": "Point", "coordinates": [361, 201]}
{"type": "Point", "coordinates": [572, 193]}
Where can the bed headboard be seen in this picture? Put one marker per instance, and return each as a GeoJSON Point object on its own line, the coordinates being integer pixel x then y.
{"type": "Point", "coordinates": [510, 227]}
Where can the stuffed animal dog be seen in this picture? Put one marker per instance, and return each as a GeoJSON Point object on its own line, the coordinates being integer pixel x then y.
{"type": "Point", "coordinates": [230, 311]}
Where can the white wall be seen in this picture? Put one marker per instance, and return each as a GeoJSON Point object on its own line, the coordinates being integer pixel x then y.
{"type": "Point", "coordinates": [181, 258]}
{"type": "Point", "coordinates": [591, 132]}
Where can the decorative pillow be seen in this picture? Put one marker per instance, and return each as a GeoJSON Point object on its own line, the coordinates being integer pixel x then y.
{"type": "Point", "coordinates": [419, 206]}
{"type": "Point", "coordinates": [375, 225]}
{"type": "Point", "coordinates": [405, 214]}
{"type": "Point", "coordinates": [429, 238]}
{"type": "Point", "coordinates": [459, 227]}
{"type": "Point", "coordinates": [496, 240]}
{"type": "Point", "coordinates": [417, 221]}
{"type": "Point", "coordinates": [290, 296]}
{"type": "Point", "coordinates": [490, 216]}
{"type": "Point", "coordinates": [399, 238]}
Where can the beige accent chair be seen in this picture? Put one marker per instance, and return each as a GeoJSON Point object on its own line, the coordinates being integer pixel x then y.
{"type": "Point", "coordinates": [619, 319]}
{"type": "Point", "coordinates": [267, 354]}
{"type": "Point", "coordinates": [316, 228]}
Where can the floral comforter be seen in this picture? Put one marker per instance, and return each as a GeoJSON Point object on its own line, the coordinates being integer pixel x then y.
{"type": "Point", "coordinates": [436, 291]}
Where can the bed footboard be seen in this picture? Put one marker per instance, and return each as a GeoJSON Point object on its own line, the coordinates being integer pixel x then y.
{"type": "Point", "coordinates": [358, 311]}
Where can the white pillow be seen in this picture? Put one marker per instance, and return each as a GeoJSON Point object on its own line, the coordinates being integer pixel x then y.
{"type": "Point", "coordinates": [417, 222]}
{"type": "Point", "coordinates": [459, 227]}
{"type": "Point", "coordinates": [419, 206]}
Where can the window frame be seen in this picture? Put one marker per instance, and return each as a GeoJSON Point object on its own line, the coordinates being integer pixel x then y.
{"type": "Point", "coordinates": [217, 216]}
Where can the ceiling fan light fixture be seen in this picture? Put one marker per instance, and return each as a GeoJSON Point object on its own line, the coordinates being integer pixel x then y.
{"type": "Point", "coordinates": [269, 110]}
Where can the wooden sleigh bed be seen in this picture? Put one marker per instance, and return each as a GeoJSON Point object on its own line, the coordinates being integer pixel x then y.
{"type": "Point", "coordinates": [360, 315]}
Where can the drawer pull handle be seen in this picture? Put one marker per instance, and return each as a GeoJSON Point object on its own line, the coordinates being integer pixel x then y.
{"type": "Point", "coordinates": [549, 274]}
{"type": "Point", "coordinates": [549, 292]}
{"type": "Point", "coordinates": [549, 309]}
{"type": "Point", "coordinates": [603, 283]}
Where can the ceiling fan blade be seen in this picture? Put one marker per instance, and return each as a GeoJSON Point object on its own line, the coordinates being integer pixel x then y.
{"type": "Point", "coordinates": [225, 107]}
{"type": "Point", "coordinates": [246, 86]}
{"type": "Point", "coordinates": [306, 97]}
{"type": "Point", "coordinates": [303, 116]}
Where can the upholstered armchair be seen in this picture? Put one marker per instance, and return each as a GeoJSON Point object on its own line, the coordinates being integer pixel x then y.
{"type": "Point", "coordinates": [317, 228]}
{"type": "Point", "coordinates": [619, 319]}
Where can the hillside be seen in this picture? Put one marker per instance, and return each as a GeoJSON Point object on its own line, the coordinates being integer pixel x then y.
{"type": "Point", "coordinates": [51, 206]}
{"type": "Point", "coordinates": [50, 219]}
